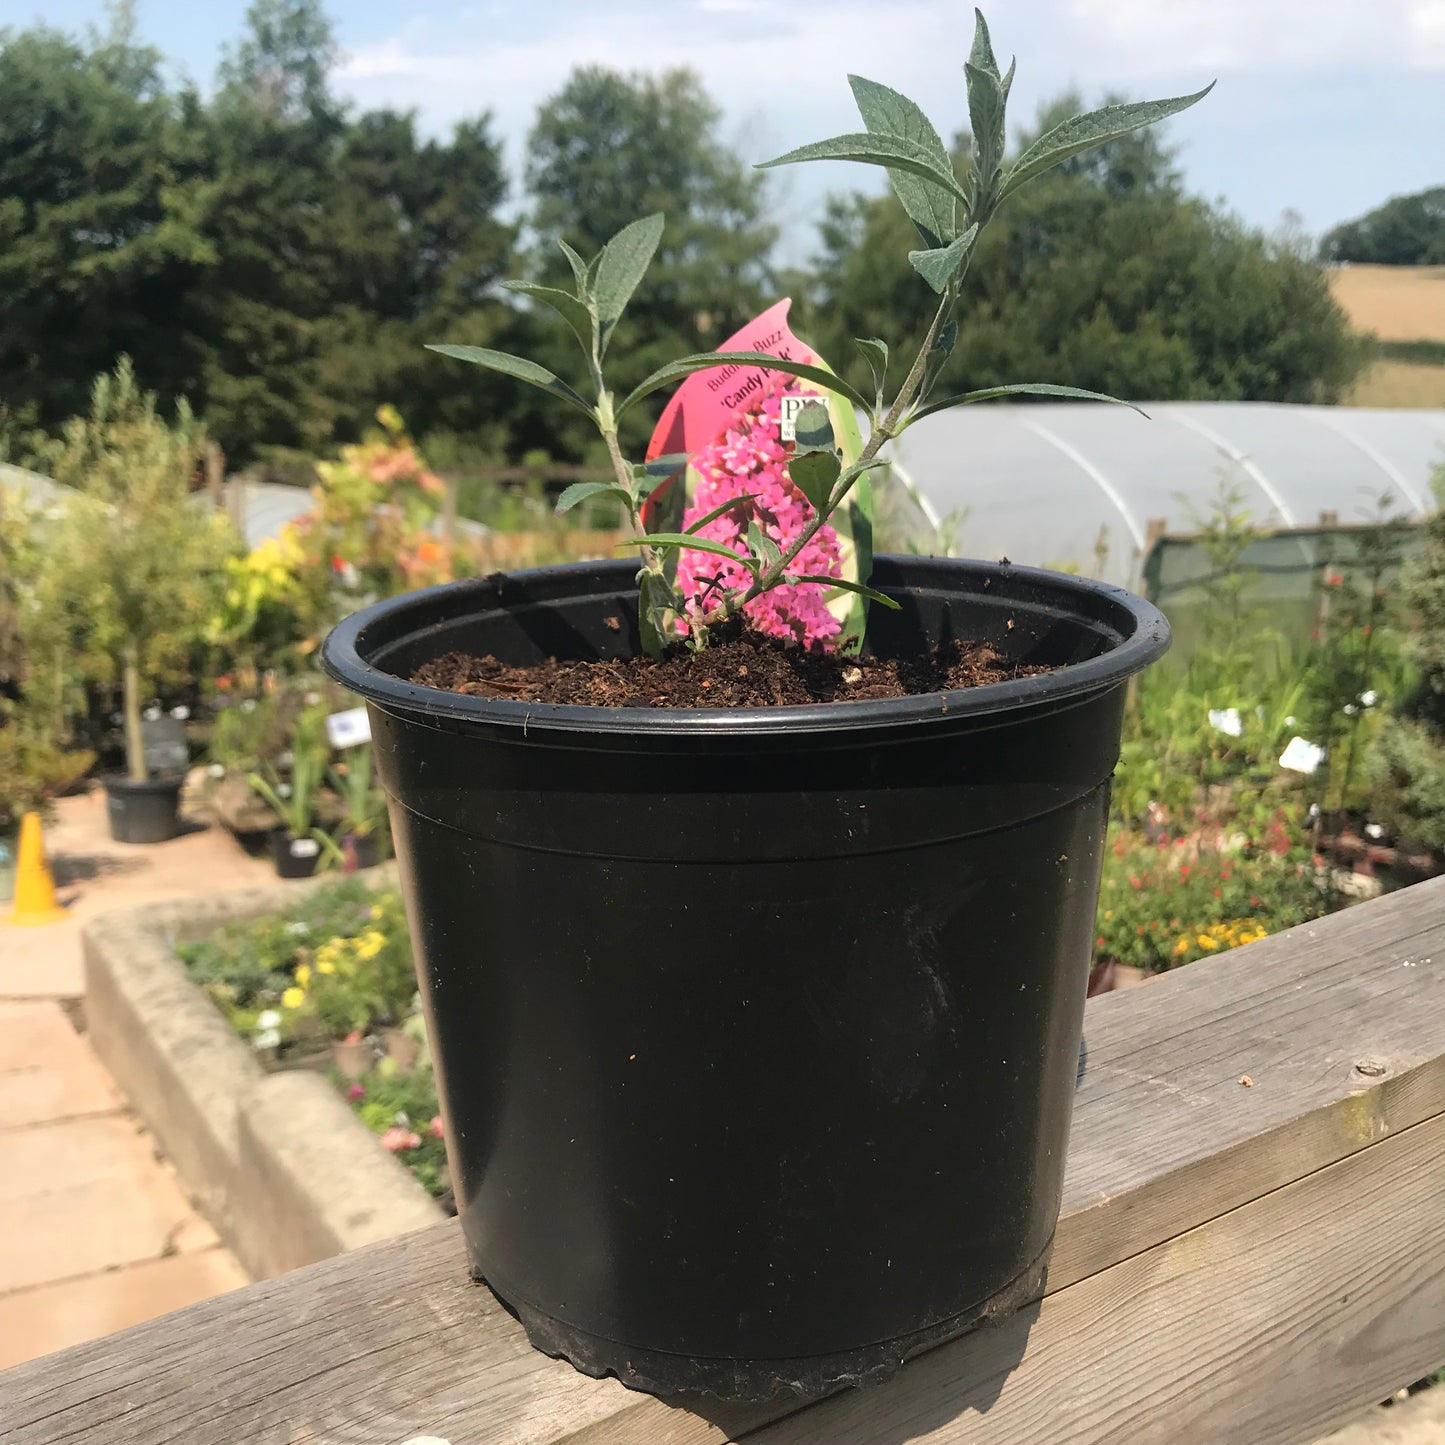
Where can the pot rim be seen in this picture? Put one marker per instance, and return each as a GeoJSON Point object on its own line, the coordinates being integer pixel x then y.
{"type": "Point", "coordinates": [1143, 629]}
{"type": "Point", "coordinates": [164, 783]}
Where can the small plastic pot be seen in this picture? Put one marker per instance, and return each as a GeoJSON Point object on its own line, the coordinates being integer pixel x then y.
{"type": "Point", "coordinates": [294, 857]}
{"type": "Point", "coordinates": [367, 848]}
{"type": "Point", "coordinates": [756, 1030]}
{"type": "Point", "coordinates": [148, 812]}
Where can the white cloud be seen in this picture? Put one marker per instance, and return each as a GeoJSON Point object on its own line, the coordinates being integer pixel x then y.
{"type": "Point", "coordinates": [1233, 36]}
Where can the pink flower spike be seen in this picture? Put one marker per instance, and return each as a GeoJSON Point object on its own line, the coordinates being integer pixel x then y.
{"type": "Point", "coordinates": [356, 1093]}
{"type": "Point", "coordinates": [435, 1128]}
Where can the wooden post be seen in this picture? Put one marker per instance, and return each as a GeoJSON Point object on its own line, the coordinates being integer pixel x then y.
{"type": "Point", "coordinates": [449, 511]}
{"type": "Point", "coordinates": [215, 474]}
{"type": "Point", "coordinates": [1251, 1248]}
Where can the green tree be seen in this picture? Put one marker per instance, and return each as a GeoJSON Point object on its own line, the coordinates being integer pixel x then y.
{"type": "Point", "coordinates": [1405, 231]}
{"type": "Point", "coordinates": [608, 148]}
{"type": "Point", "coordinates": [1408, 766]}
{"type": "Point", "coordinates": [133, 568]}
{"type": "Point", "coordinates": [100, 209]}
{"type": "Point", "coordinates": [1102, 274]}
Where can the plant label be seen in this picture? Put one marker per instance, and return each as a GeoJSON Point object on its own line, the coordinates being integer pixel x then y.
{"type": "Point", "coordinates": [1301, 756]}
{"type": "Point", "coordinates": [348, 729]}
{"type": "Point", "coordinates": [304, 847]}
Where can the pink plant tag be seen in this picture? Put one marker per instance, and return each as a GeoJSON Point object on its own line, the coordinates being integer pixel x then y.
{"type": "Point", "coordinates": [734, 425]}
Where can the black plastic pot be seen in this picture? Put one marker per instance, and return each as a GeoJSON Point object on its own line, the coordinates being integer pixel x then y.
{"type": "Point", "coordinates": [148, 812]}
{"type": "Point", "coordinates": [367, 847]}
{"type": "Point", "coordinates": [294, 857]}
{"type": "Point", "coordinates": [757, 1030]}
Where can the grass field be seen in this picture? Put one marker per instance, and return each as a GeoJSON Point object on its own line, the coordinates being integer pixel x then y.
{"type": "Point", "coordinates": [1401, 304]}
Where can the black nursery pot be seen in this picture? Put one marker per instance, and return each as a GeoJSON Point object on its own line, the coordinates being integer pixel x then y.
{"type": "Point", "coordinates": [144, 812]}
{"type": "Point", "coordinates": [757, 1030]}
{"type": "Point", "coordinates": [294, 857]}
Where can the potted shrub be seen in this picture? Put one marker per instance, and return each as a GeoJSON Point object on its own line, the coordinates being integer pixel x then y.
{"type": "Point", "coordinates": [133, 569]}
{"type": "Point", "coordinates": [359, 836]}
{"type": "Point", "coordinates": [758, 1025]}
{"type": "Point", "coordinates": [296, 843]}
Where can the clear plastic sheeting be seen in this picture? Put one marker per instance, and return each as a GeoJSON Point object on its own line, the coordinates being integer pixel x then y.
{"type": "Point", "coordinates": [1087, 487]}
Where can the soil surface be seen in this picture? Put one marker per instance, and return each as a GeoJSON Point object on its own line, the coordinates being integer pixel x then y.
{"type": "Point", "coordinates": [737, 669]}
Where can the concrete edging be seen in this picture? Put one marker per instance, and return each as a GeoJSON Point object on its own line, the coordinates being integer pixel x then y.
{"type": "Point", "coordinates": [276, 1161]}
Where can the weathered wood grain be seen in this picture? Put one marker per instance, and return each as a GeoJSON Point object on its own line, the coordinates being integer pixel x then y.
{"type": "Point", "coordinates": [1169, 1154]}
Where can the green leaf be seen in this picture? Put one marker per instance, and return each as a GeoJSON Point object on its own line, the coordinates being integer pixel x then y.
{"type": "Point", "coordinates": [893, 152]}
{"type": "Point", "coordinates": [813, 427]}
{"type": "Point", "coordinates": [885, 112]}
{"type": "Point", "coordinates": [649, 605]}
{"type": "Point", "coordinates": [575, 313]}
{"type": "Point", "coordinates": [717, 512]}
{"type": "Point", "coordinates": [982, 54]}
{"type": "Point", "coordinates": [518, 367]}
{"type": "Point", "coordinates": [705, 361]}
{"type": "Point", "coordinates": [579, 268]}
{"type": "Point", "coordinates": [681, 539]}
{"type": "Point", "coordinates": [761, 545]}
{"type": "Point", "coordinates": [939, 268]}
{"type": "Point", "coordinates": [1084, 132]}
{"type": "Point", "coordinates": [1025, 388]}
{"type": "Point", "coordinates": [986, 116]}
{"type": "Point", "coordinates": [843, 585]}
{"type": "Point", "coordinates": [875, 353]}
{"type": "Point", "coordinates": [621, 266]}
{"type": "Point", "coordinates": [580, 491]}
{"type": "Point", "coordinates": [665, 466]}
{"type": "Point", "coordinates": [813, 474]}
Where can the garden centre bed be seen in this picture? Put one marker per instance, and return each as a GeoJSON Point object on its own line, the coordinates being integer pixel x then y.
{"type": "Point", "coordinates": [275, 1157]}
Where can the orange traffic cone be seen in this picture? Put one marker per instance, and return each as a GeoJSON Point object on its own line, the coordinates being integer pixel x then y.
{"type": "Point", "coordinates": [35, 900]}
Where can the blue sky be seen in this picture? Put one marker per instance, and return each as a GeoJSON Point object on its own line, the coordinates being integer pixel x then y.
{"type": "Point", "coordinates": [1324, 107]}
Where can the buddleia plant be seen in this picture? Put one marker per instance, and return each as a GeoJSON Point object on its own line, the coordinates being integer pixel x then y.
{"type": "Point", "coordinates": [949, 216]}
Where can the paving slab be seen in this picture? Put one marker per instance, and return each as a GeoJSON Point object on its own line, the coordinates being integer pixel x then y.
{"type": "Point", "coordinates": [55, 1316]}
{"type": "Point", "coordinates": [47, 1071]}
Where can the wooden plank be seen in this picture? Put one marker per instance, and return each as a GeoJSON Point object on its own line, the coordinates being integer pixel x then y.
{"type": "Point", "coordinates": [1165, 1136]}
{"type": "Point", "coordinates": [1262, 1327]}
{"type": "Point", "coordinates": [391, 1341]}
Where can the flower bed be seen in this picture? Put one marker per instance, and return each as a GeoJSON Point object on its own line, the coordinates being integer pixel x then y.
{"type": "Point", "coordinates": [323, 985]}
{"type": "Point", "coordinates": [1166, 903]}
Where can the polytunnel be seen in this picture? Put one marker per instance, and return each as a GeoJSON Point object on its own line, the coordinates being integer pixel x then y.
{"type": "Point", "coordinates": [1089, 485]}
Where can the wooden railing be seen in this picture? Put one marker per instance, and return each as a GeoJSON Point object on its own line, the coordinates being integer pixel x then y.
{"type": "Point", "coordinates": [1252, 1248]}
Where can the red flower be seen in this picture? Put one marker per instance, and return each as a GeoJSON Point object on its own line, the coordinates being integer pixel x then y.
{"type": "Point", "coordinates": [1184, 870]}
{"type": "Point", "coordinates": [1134, 881]}
{"type": "Point", "coordinates": [1099, 941]}
{"type": "Point", "coordinates": [1365, 630]}
{"type": "Point", "coordinates": [1225, 874]}
{"type": "Point", "coordinates": [1217, 893]}
{"type": "Point", "coordinates": [1140, 930]}
{"type": "Point", "coordinates": [1334, 579]}
{"type": "Point", "coordinates": [1254, 900]}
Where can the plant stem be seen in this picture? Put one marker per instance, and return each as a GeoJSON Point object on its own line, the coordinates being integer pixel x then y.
{"type": "Point", "coordinates": [881, 433]}
{"type": "Point", "coordinates": [135, 753]}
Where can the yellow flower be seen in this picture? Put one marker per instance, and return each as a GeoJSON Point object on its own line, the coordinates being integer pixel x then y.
{"type": "Point", "coordinates": [374, 911]}
{"type": "Point", "coordinates": [303, 974]}
{"type": "Point", "coordinates": [1205, 941]}
{"type": "Point", "coordinates": [370, 944]}
{"type": "Point", "coordinates": [325, 965]}
{"type": "Point", "coordinates": [293, 998]}
{"type": "Point", "coordinates": [1181, 947]}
